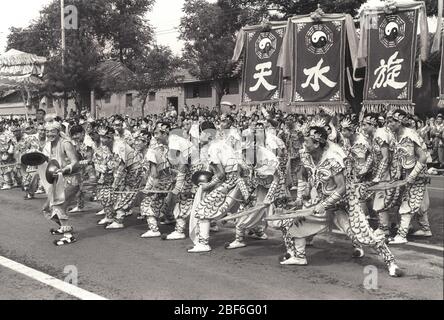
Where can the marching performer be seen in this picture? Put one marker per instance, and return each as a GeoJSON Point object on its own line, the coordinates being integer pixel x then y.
{"type": "Point", "coordinates": [63, 166]}
{"type": "Point", "coordinates": [180, 151]}
{"type": "Point", "coordinates": [105, 164]}
{"type": "Point", "coordinates": [265, 183]}
{"type": "Point", "coordinates": [412, 162]}
{"type": "Point", "coordinates": [127, 179]}
{"type": "Point", "coordinates": [221, 191]}
{"type": "Point", "coordinates": [359, 157]}
{"type": "Point", "coordinates": [7, 161]}
{"type": "Point", "coordinates": [160, 178]}
{"type": "Point", "coordinates": [329, 192]}
{"type": "Point", "coordinates": [29, 143]}
{"type": "Point", "coordinates": [384, 169]}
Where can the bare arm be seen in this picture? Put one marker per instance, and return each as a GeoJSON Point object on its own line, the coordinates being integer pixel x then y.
{"type": "Point", "coordinates": [71, 153]}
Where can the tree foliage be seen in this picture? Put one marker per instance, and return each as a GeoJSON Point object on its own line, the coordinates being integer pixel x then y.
{"type": "Point", "coordinates": [108, 29]}
{"type": "Point", "coordinates": [156, 68]}
{"type": "Point", "coordinates": [209, 31]}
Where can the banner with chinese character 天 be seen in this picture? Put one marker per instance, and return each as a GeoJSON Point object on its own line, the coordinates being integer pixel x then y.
{"type": "Point", "coordinates": [314, 57]}
{"type": "Point", "coordinates": [262, 78]}
{"type": "Point", "coordinates": [388, 47]}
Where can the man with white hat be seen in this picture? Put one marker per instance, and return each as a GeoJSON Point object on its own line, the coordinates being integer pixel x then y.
{"type": "Point", "coordinates": [64, 185]}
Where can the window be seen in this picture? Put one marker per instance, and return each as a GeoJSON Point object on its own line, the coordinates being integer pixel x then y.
{"type": "Point", "coordinates": [108, 98]}
{"type": "Point", "coordinates": [129, 100]}
{"type": "Point", "coordinates": [231, 86]}
{"type": "Point", "coordinates": [201, 90]}
{"type": "Point", "coordinates": [152, 96]}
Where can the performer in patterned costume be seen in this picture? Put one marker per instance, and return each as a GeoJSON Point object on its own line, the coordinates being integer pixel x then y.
{"type": "Point", "coordinates": [30, 143]}
{"type": "Point", "coordinates": [85, 154]}
{"type": "Point", "coordinates": [265, 184]}
{"type": "Point", "coordinates": [105, 165]}
{"type": "Point", "coordinates": [221, 191]}
{"type": "Point", "coordinates": [359, 157]}
{"type": "Point", "coordinates": [7, 161]}
{"type": "Point", "coordinates": [127, 178]}
{"type": "Point", "coordinates": [180, 151]}
{"type": "Point", "coordinates": [160, 178]}
{"type": "Point", "coordinates": [411, 163]}
{"type": "Point", "coordinates": [330, 194]}
{"type": "Point", "coordinates": [384, 169]}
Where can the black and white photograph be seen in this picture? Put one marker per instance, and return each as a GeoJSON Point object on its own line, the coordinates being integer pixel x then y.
{"type": "Point", "coordinates": [221, 156]}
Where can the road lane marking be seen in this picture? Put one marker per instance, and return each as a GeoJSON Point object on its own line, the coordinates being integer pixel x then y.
{"type": "Point", "coordinates": [413, 244]}
{"type": "Point", "coordinates": [49, 280]}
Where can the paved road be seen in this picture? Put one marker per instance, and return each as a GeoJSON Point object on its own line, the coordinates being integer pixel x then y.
{"type": "Point", "coordinates": [120, 265]}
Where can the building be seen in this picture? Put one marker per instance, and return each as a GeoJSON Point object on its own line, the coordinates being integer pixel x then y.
{"type": "Point", "coordinates": [188, 91]}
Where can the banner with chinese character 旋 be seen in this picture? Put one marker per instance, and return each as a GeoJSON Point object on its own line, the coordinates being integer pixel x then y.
{"type": "Point", "coordinates": [262, 78]}
{"type": "Point", "coordinates": [316, 54]}
{"type": "Point", "coordinates": [388, 45]}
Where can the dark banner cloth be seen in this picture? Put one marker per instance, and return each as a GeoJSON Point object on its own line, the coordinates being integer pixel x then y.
{"type": "Point", "coordinates": [319, 63]}
{"type": "Point", "coordinates": [262, 78]}
{"type": "Point", "coordinates": [391, 47]}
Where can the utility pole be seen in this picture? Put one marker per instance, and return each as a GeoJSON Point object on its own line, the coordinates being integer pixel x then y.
{"type": "Point", "coordinates": [62, 24]}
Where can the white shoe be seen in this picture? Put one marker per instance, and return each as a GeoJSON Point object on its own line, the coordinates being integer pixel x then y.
{"type": "Point", "coordinates": [151, 234]}
{"type": "Point", "coordinates": [39, 191]}
{"type": "Point", "coordinates": [6, 187]}
{"type": "Point", "coordinates": [235, 244]}
{"type": "Point", "coordinates": [295, 261]}
{"type": "Point", "coordinates": [200, 248]}
{"type": "Point", "coordinates": [261, 237]}
{"type": "Point", "coordinates": [100, 213]}
{"type": "Point", "coordinates": [115, 225]}
{"type": "Point", "coordinates": [76, 209]}
{"type": "Point", "coordinates": [422, 233]}
{"type": "Point", "coordinates": [175, 236]}
{"type": "Point", "coordinates": [104, 221]}
{"type": "Point", "coordinates": [398, 240]}
{"type": "Point", "coordinates": [395, 271]}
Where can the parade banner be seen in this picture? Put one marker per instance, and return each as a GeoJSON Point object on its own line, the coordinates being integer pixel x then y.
{"type": "Point", "coordinates": [389, 44]}
{"type": "Point", "coordinates": [314, 57]}
{"type": "Point", "coordinates": [262, 78]}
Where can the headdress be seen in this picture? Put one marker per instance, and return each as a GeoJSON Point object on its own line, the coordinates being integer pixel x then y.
{"type": "Point", "coordinates": [53, 125]}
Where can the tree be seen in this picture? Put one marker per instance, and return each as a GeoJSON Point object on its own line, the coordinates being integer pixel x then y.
{"type": "Point", "coordinates": [286, 8]}
{"type": "Point", "coordinates": [127, 30]}
{"type": "Point", "coordinates": [209, 31]}
{"type": "Point", "coordinates": [156, 68]}
{"type": "Point", "coordinates": [107, 29]}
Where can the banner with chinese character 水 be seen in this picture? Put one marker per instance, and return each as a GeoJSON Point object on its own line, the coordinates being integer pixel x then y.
{"type": "Point", "coordinates": [314, 57]}
{"type": "Point", "coordinates": [389, 47]}
{"type": "Point", "coordinates": [261, 78]}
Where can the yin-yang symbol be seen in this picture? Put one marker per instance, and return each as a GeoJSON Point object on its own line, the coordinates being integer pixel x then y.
{"type": "Point", "coordinates": [319, 39]}
{"type": "Point", "coordinates": [391, 31]}
{"type": "Point", "coordinates": [265, 45]}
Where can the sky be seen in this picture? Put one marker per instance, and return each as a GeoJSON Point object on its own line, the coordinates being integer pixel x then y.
{"type": "Point", "coordinates": [164, 17]}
